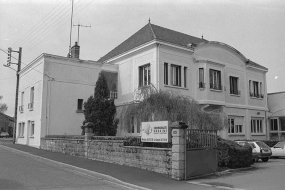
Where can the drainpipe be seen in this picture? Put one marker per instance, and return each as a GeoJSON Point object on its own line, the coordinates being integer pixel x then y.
{"type": "Point", "coordinates": [157, 56]}
{"type": "Point", "coordinates": [48, 104]}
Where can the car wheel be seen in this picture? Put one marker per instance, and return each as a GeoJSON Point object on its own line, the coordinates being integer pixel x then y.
{"type": "Point", "coordinates": [264, 159]}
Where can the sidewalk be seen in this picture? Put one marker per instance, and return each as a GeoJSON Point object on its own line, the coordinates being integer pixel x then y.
{"type": "Point", "coordinates": [123, 174]}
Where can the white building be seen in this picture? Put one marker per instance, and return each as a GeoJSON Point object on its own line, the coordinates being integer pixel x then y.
{"type": "Point", "coordinates": [215, 74]}
{"type": "Point", "coordinates": [51, 94]}
{"type": "Point", "coordinates": [276, 119]}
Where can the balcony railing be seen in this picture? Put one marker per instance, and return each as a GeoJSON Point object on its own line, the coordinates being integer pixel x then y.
{"type": "Point", "coordinates": [31, 106]}
{"type": "Point", "coordinates": [215, 86]}
{"type": "Point", "coordinates": [202, 85]}
{"type": "Point", "coordinates": [21, 109]}
{"type": "Point", "coordinates": [113, 95]}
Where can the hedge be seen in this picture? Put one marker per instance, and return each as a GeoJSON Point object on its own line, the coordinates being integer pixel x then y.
{"type": "Point", "coordinates": [232, 155]}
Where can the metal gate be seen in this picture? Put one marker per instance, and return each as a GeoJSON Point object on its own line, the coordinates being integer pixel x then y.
{"type": "Point", "coordinates": [201, 152]}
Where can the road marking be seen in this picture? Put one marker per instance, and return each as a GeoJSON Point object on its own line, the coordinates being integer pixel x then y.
{"type": "Point", "coordinates": [216, 186]}
{"type": "Point", "coordinates": [108, 178]}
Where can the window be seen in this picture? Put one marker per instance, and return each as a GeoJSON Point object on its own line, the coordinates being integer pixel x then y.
{"type": "Point", "coordinates": [176, 75]}
{"type": "Point", "coordinates": [144, 75]}
{"type": "Point", "coordinates": [201, 78]}
{"type": "Point", "coordinates": [166, 73]}
{"type": "Point", "coordinates": [255, 89]}
{"type": "Point", "coordinates": [235, 125]}
{"type": "Point", "coordinates": [185, 77]}
{"type": "Point", "coordinates": [32, 132]}
{"type": "Point", "coordinates": [79, 104]}
{"type": "Point", "coordinates": [274, 124]}
{"type": "Point", "coordinates": [21, 129]}
{"type": "Point", "coordinates": [31, 104]}
{"type": "Point", "coordinates": [21, 107]}
{"type": "Point", "coordinates": [215, 79]}
{"type": "Point", "coordinates": [256, 126]}
{"type": "Point", "coordinates": [234, 85]}
{"type": "Point", "coordinates": [282, 124]}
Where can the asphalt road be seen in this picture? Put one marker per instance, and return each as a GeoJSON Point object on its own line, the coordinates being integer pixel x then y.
{"type": "Point", "coordinates": [263, 176]}
{"type": "Point", "coordinates": [19, 171]}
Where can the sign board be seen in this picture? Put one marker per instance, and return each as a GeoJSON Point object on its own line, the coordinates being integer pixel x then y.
{"type": "Point", "coordinates": [155, 131]}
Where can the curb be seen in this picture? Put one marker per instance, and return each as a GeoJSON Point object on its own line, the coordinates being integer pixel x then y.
{"type": "Point", "coordinates": [75, 169]}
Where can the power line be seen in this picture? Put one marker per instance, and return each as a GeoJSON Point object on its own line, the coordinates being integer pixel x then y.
{"type": "Point", "coordinates": [29, 32]}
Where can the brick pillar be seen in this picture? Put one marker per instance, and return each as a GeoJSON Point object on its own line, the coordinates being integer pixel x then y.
{"type": "Point", "coordinates": [88, 129]}
{"type": "Point", "coordinates": [178, 150]}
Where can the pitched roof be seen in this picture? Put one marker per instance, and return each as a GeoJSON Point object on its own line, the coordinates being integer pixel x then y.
{"type": "Point", "coordinates": [148, 33]}
{"type": "Point", "coordinates": [251, 63]}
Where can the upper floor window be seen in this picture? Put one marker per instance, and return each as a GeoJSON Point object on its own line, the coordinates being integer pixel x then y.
{"type": "Point", "coordinates": [201, 78]}
{"type": "Point", "coordinates": [256, 126]}
{"type": "Point", "coordinates": [273, 124]}
{"type": "Point", "coordinates": [176, 75]}
{"type": "Point", "coordinates": [255, 89]}
{"type": "Point", "coordinates": [144, 75]}
{"type": "Point", "coordinates": [185, 77]}
{"type": "Point", "coordinates": [31, 104]}
{"type": "Point", "coordinates": [215, 79]}
{"type": "Point", "coordinates": [234, 86]}
{"type": "Point", "coordinates": [80, 105]}
{"type": "Point", "coordinates": [21, 107]}
{"type": "Point", "coordinates": [166, 73]}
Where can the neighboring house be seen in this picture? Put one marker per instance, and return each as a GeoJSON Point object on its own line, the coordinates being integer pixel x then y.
{"type": "Point", "coordinates": [6, 123]}
{"type": "Point", "coordinates": [52, 91]}
{"type": "Point", "coordinates": [276, 119]}
{"type": "Point", "coordinates": [215, 74]}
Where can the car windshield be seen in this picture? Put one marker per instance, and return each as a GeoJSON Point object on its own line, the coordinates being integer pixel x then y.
{"type": "Point", "coordinates": [279, 145]}
{"type": "Point", "coordinates": [262, 144]}
{"type": "Point", "coordinates": [252, 144]}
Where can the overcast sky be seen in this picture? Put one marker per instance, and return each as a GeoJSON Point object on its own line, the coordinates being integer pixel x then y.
{"type": "Point", "coordinates": [255, 28]}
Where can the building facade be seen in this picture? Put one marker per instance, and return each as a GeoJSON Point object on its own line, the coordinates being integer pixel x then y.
{"type": "Point", "coordinates": [276, 116]}
{"type": "Point", "coordinates": [52, 91]}
{"type": "Point", "coordinates": [213, 73]}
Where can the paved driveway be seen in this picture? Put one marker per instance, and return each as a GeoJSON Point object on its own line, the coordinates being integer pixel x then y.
{"type": "Point", "coordinates": [263, 176]}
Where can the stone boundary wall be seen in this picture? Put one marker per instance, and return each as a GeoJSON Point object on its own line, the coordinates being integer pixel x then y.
{"type": "Point", "coordinates": [153, 159]}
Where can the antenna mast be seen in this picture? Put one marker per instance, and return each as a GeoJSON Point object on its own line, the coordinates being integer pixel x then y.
{"type": "Point", "coordinates": [78, 25]}
{"type": "Point", "coordinates": [69, 53]}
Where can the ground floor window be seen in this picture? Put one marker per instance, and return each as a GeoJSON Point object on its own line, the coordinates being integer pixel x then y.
{"type": "Point", "coordinates": [32, 128]}
{"type": "Point", "coordinates": [273, 124]}
{"type": "Point", "coordinates": [235, 125]}
{"type": "Point", "coordinates": [21, 129]}
{"type": "Point", "coordinates": [256, 126]}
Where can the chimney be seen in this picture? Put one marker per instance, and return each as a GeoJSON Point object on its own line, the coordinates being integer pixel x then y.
{"type": "Point", "coordinates": [75, 51]}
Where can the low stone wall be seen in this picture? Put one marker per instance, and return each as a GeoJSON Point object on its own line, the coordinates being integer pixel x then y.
{"type": "Point", "coordinates": [114, 151]}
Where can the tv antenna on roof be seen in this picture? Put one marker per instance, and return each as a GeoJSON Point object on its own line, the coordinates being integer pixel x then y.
{"type": "Point", "coordinates": [80, 25]}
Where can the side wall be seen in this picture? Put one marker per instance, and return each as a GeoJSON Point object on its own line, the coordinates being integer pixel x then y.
{"type": "Point", "coordinates": [114, 151]}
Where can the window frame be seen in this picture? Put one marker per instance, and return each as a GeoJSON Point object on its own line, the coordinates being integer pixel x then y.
{"type": "Point", "coordinates": [141, 75]}
{"type": "Point", "coordinates": [256, 126]}
{"type": "Point", "coordinates": [233, 128]}
{"type": "Point", "coordinates": [272, 121]}
{"type": "Point", "coordinates": [215, 74]}
{"type": "Point", "coordinates": [176, 75]}
{"type": "Point", "coordinates": [234, 85]}
{"type": "Point", "coordinates": [166, 73]}
{"type": "Point", "coordinates": [32, 129]}
{"type": "Point", "coordinates": [201, 78]}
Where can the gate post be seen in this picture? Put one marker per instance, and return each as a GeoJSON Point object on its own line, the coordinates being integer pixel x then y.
{"type": "Point", "coordinates": [88, 134]}
{"type": "Point", "coordinates": [178, 150]}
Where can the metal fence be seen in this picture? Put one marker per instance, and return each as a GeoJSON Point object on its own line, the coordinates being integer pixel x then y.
{"type": "Point", "coordinates": [197, 139]}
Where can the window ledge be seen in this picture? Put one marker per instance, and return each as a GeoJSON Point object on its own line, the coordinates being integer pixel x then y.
{"type": "Point", "coordinates": [257, 134]}
{"type": "Point", "coordinates": [256, 98]}
{"type": "Point", "coordinates": [31, 137]}
{"type": "Point", "coordinates": [21, 137]}
{"type": "Point", "coordinates": [236, 95]}
{"type": "Point", "coordinates": [179, 87]}
{"type": "Point", "coordinates": [79, 111]}
{"type": "Point", "coordinates": [215, 90]}
{"type": "Point", "coordinates": [236, 134]}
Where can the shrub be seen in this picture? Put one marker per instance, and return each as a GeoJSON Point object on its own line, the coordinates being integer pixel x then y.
{"type": "Point", "coordinates": [232, 155]}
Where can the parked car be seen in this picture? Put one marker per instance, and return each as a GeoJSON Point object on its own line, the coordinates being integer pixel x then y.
{"type": "Point", "coordinates": [4, 134]}
{"type": "Point", "coordinates": [263, 149]}
{"type": "Point", "coordinates": [278, 150]}
{"type": "Point", "coordinates": [255, 154]}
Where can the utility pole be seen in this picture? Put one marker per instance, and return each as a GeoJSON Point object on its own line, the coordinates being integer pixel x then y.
{"type": "Point", "coordinates": [9, 62]}
{"type": "Point", "coordinates": [80, 25]}
{"type": "Point", "coordinates": [69, 53]}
